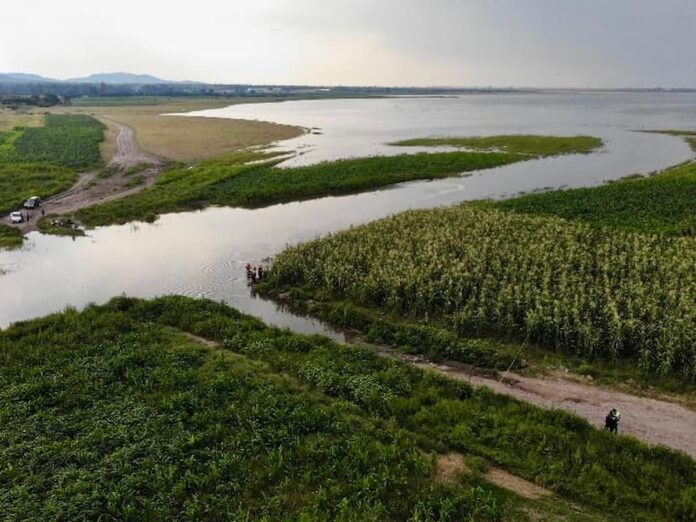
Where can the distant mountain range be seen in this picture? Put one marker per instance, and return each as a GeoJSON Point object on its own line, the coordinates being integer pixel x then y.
{"type": "Point", "coordinates": [115, 78]}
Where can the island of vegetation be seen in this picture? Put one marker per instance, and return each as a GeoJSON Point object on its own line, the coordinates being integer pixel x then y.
{"type": "Point", "coordinates": [178, 408]}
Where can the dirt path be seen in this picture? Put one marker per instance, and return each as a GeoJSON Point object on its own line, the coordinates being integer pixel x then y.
{"type": "Point", "coordinates": [91, 188]}
{"type": "Point", "coordinates": [128, 153]}
{"type": "Point", "coordinates": [653, 421]}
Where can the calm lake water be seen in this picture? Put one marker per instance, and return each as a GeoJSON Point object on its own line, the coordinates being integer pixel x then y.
{"type": "Point", "coordinates": [203, 253]}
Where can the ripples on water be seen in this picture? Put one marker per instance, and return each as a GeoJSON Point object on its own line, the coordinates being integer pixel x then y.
{"type": "Point", "coordinates": [202, 254]}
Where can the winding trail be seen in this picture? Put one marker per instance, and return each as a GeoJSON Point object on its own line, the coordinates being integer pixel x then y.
{"type": "Point", "coordinates": [651, 420]}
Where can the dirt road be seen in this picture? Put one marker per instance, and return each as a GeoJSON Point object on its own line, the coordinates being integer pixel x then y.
{"type": "Point", "coordinates": [653, 421]}
{"type": "Point", "coordinates": [128, 153]}
{"type": "Point", "coordinates": [91, 188]}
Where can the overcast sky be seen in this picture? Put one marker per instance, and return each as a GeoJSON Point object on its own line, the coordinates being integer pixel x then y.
{"type": "Point", "coordinates": [546, 43]}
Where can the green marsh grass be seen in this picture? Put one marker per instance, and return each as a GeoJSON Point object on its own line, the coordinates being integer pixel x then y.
{"type": "Point", "coordinates": [536, 145]}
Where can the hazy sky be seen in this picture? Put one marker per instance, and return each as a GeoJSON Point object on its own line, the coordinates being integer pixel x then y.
{"type": "Point", "coordinates": [580, 43]}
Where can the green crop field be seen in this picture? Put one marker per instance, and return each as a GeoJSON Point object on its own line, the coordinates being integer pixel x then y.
{"type": "Point", "coordinates": [114, 413]}
{"type": "Point", "coordinates": [65, 140]}
{"type": "Point", "coordinates": [594, 292]}
{"type": "Point", "coordinates": [233, 181]}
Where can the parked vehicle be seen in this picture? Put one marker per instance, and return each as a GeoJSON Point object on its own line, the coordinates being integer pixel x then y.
{"type": "Point", "coordinates": [16, 217]}
{"type": "Point", "coordinates": [33, 202]}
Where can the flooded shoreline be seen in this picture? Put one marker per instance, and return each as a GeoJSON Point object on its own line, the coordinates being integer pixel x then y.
{"type": "Point", "coordinates": [202, 253]}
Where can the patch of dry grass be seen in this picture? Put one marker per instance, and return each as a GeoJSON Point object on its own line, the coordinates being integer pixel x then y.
{"type": "Point", "coordinates": [10, 119]}
{"type": "Point", "coordinates": [186, 138]}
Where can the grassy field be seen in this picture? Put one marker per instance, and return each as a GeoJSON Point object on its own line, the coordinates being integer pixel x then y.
{"type": "Point", "coordinates": [114, 412]}
{"type": "Point", "coordinates": [229, 181]}
{"type": "Point", "coordinates": [182, 138]}
{"type": "Point", "coordinates": [19, 182]}
{"type": "Point", "coordinates": [515, 143]}
{"type": "Point", "coordinates": [70, 141]}
{"type": "Point", "coordinates": [9, 119]}
{"type": "Point", "coordinates": [41, 161]}
{"type": "Point", "coordinates": [664, 203]}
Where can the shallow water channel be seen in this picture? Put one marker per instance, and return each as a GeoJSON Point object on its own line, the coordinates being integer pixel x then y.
{"type": "Point", "coordinates": [203, 253]}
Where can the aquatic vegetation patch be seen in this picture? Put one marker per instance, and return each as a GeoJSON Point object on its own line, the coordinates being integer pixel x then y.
{"type": "Point", "coordinates": [240, 180]}
{"type": "Point", "coordinates": [537, 145]}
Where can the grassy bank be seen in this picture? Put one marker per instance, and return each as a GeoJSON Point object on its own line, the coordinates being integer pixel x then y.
{"type": "Point", "coordinates": [112, 412]}
{"type": "Point", "coordinates": [10, 237]}
{"type": "Point", "coordinates": [231, 181]}
{"type": "Point", "coordinates": [514, 143]}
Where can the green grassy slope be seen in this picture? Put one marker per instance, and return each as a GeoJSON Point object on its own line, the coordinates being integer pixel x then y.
{"type": "Point", "coordinates": [110, 412]}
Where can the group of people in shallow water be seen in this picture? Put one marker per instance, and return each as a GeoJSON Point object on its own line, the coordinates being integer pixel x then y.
{"type": "Point", "coordinates": [255, 274]}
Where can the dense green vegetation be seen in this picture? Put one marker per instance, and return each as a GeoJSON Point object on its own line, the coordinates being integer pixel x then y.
{"type": "Point", "coordinates": [514, 143]}
{"type": "Point", "coordinates": [112, 413]}
{"type": "Point", "coordinates": [107, 414]}
{"type": "Point", "coordinates": [232, 181]}
{"type": "Point", "coordinates": [594, 292]}
{"type": "Point", "coordinates": [10, 237]}
{"type": "Point", "coordinates": [20, 182]}
{"type": "Point", "coordinates": [664, 203]}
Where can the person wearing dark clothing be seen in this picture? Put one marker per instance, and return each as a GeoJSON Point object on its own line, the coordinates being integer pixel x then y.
{"type": "Point", "coordinates": [611, 421]}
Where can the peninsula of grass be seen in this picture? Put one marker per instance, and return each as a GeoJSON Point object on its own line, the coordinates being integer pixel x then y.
{"type": "Point", "coordinates": [121, 412]}
{"type": "Point", "coordinates": [251, 179]}
{"type": "Point", "coordinates": [535, 145]}
{"type": "Point", "coordinates": [664, 203]}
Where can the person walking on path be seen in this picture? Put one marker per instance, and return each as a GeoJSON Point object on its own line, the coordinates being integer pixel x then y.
{"type": "Point", "coordinates": [611, 421]}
